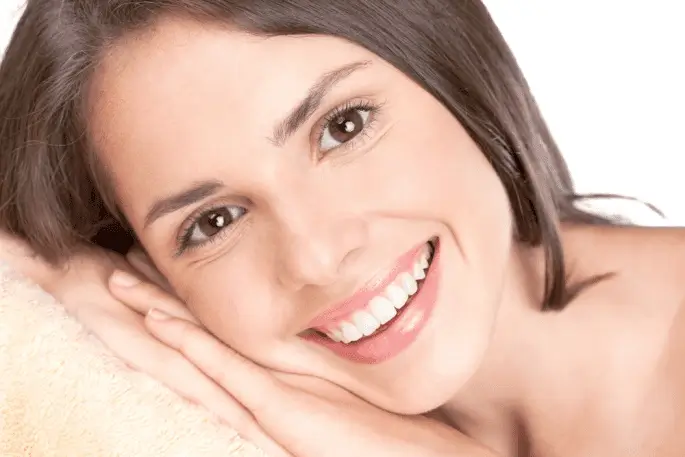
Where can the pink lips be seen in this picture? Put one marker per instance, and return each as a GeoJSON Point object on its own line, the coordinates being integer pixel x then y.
{"type": "Point", "coordinates": [399, 333]}
{"type": "Point", "coordinates": [361, 298]}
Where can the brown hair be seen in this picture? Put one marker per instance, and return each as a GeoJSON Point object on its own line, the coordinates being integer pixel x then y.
{"type": "Point", "coordinates": [53, 195]}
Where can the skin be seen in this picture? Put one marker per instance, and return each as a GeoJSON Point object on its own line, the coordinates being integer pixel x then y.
{"type": "Point", "coordinates": [319, 224]}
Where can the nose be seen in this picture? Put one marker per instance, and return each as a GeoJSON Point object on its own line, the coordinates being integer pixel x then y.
{"type": "Point", "coordinates": [315, 252]}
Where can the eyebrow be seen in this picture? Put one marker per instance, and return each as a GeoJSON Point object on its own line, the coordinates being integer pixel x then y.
{"type": "Point", "coordinates": [308, 106]}
{"type": "Point", "coordinates": [173, 203]}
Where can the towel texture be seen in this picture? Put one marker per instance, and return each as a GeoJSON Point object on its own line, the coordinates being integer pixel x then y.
{"type": "Point", "coordinates": [62, 394]}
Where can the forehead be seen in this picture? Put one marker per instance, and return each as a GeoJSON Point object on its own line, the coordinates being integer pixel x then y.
{"type": "Point", "coordinates": [187, 92]}
{"type": "Point", "coordinates": [190, 63]}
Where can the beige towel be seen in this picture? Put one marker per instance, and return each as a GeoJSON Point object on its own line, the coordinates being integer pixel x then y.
{"type": "Point", "coordinates": [62, 394]}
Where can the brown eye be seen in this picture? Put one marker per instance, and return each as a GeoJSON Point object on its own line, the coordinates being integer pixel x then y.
{"type": "Point", "coordinates": [343, 128]}
{"type": "Point", "coordinates": [211, 222]}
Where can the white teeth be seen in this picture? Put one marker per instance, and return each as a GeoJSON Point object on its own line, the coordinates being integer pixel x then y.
{"type": "Point", "coordinates": [382, 309]}
{"type": "Point", "coordinates": [365, 322]}
{"type": "Point", "coordinates": [397, 295]}
{"type": "Point", "coordinates": [335, 334]}
{"type": "Point", "coordinates": [408, 283]}
{"type": "Point", "coordinates": [418, 272]}
{"type": "Point", "coordinates": [350, 333]}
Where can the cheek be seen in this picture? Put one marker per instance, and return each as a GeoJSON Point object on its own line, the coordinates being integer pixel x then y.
{"type": "Point", "coordinates": [442, 175]}
{"type": "Point", "coordinates": [429, 165]}
{"type": "Point", "coordinates": [234, 303]}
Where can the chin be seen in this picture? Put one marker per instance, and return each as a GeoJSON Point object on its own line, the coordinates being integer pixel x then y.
{"type": "Point", "coordinates": [437, 368]}
{"type": "Point", "coordinates": [431, 382]}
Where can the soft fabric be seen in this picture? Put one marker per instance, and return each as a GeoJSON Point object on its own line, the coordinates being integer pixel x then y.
{"type": "Point", "coordinates": [62, 394]}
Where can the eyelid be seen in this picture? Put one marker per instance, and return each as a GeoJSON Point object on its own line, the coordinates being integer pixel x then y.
{"type": "Point", "coordinates": [360, 102]}
{"type": "Point", "coordinates": [324, 118]}
{"type": "Point", "coordinates": [194, 217]}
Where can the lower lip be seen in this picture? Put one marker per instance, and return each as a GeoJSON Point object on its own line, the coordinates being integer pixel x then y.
{"type": "Point", "coordinates": [401, 332]}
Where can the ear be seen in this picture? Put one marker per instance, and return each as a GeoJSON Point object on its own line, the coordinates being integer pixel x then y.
{"type": "Point", "coordinates": [141, 262]}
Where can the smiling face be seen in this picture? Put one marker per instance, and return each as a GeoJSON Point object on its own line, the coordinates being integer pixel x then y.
{"type": "Point", "coordinates": [287, 186]}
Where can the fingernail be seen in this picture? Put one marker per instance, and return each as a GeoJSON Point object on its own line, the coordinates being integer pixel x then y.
{"type": "Point", "coordinates": [121, 279]}
{"type": "Point", "coordinates": [157, 315]}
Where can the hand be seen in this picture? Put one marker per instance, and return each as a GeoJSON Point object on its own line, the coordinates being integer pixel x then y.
{"type": "Point", "coordinates": [307, 418]}
{"type": "Point", "coordinates": [81, 286]}
{"type": "Point", "coordinates": [81, 282]}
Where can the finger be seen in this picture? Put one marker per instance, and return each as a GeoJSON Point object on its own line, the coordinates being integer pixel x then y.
{"type": "Point", "coordinates": [253, 386]}
{"type": "Point", "coordinates": [125, 335]}
{"type": "Point", "coordinates": [140, 262]}
{"type": "Point", "coordinates": [320, 388]}
{"type": "Point", "coordinates": [143, 296]}
{"type": "Point", "coordinates": [257, 436]}
{"type": "Point", "coordinates": [302, 422]}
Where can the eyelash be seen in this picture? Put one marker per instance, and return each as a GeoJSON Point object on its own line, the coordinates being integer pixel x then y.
{"type": "Point", "coordinates": [183, 242]}
{"type": "Point", "coordinates": [183, 239]}
{"type": "Point", "coordinates": [353, 105]}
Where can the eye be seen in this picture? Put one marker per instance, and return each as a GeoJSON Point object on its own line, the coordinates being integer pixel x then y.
{"type": "Point", "coordinates": [343, 126]}
{"type": "Point", "coordinates": [209, 224]}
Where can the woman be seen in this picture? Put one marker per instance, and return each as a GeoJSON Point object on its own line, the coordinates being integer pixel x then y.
{"type": "Point", "coordinates": [362, 200]}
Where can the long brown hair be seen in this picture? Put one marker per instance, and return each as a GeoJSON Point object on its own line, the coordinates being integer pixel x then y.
{"type": "Point", "coordinates": [53, 194]}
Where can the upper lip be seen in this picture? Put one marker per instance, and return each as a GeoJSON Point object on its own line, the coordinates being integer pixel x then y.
{"type": "Point", "coordinates": [361, 298]}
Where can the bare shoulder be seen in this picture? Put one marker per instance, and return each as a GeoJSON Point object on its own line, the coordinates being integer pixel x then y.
{"type": "Point", "coordinates": [655, 256]}
{"type": "Point", "coordinates": [646, 300]}
{"type": "Point", "coordinates": [646, 270]}
{"type": "Point", "coordinates": [640, 313]}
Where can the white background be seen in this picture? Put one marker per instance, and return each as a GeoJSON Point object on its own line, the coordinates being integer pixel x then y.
{"type": "Point", "coordinates": [610, 78]}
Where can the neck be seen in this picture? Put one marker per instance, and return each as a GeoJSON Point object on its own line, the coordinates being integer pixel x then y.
{"type": "Point", "coordinates": [491, 406]}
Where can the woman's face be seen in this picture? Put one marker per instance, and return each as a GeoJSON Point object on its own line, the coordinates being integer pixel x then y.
{"type": "Point", "coordinates": [293, 187]}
